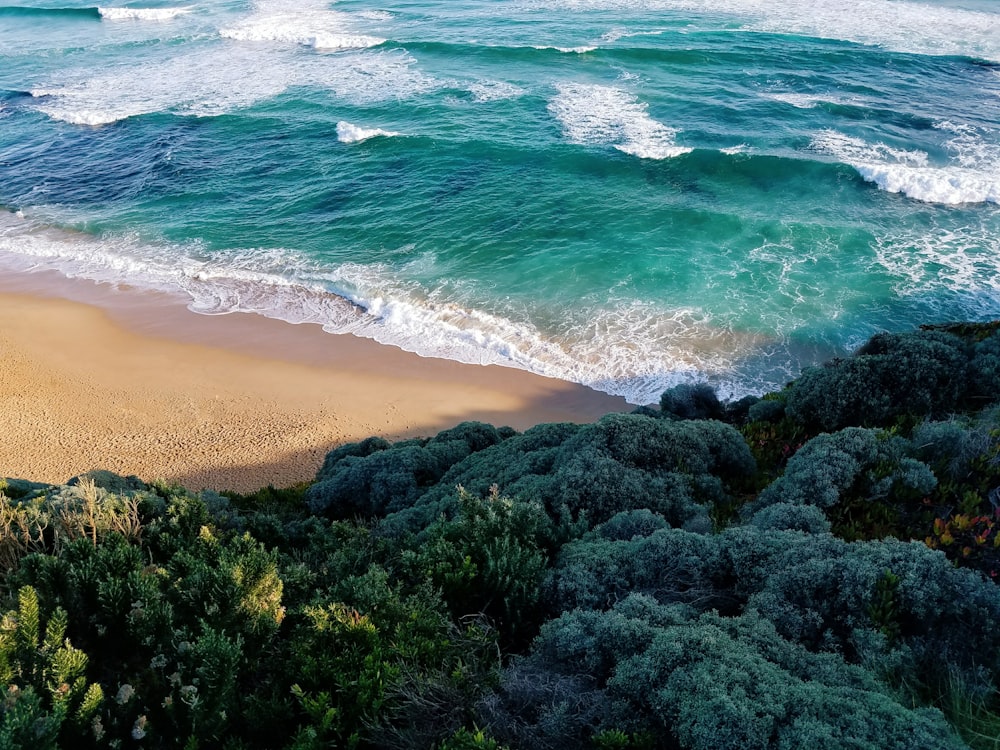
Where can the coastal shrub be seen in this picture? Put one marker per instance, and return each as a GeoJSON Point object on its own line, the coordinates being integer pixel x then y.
{"type": "Point", "coordinates": [853, 463]}
{"type": "Point", "coordinates": [362, 449]}
{"type": "Point", "coordinates": [372, 478]}
{"type": "Point", "coordinates": [584, 475]}
{"type": "Point", "coordinates": [767, 410]}
{"type": "Point", "coordinates": [677, 679]}
{"type": "Point", "coordinates": [378, 665]}
{"type": "Point", "coordinates": [691, 401]}
{"type": "Point", "coordinates": [486, 561]}
{"type": "Point", "coordinates": [829, 595]}
{"type": "Point", "coordinates": [922, 374]}
{"type": "Point", "coordinates": [791, 517]}
{"type": "Point", "coordinates": [48, 518]}
{"type": "Point", "coordinates": [669, 565]}
{"type": "Point", "coordinates": [718, 683]}
{"type": "Point", "coordinates": [628, 525]}
{"type": "Point", "coordinates": [556, 697]}
{"type": "Point", "coordinates": [985, 370]}
{"type": "Point", "coordinates": [47, 699]}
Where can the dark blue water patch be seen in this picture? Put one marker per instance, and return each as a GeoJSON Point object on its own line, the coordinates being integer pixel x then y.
{"type": "Point", "coordinates": [66, 164]}
{"type": "Point", "coordinates": [20, 11]}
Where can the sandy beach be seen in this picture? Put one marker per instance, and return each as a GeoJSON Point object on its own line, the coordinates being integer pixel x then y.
{"type": "Point", "coordinates": [93, 376]}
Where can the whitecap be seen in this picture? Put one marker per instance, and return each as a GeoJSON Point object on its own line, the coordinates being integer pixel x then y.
{"type": "Point", "coordinates": [219, 79]}
{"type": "Point", "coordinates": [799, 100]}
{"type": "Point", "coordinates": [348, 133]}
{"type": "Point", "coordinates": [583, 49]}
{"type": "Point", "coordinates": [141, 14]}
{"type": "Point", "coordinates": [308, 23]}
{"type": "Point", "coordinates": [913, 27]}
{"type": "Point", "coordinates": [602, 115]}
{"type": "Point", "coordinates": [975, 179]}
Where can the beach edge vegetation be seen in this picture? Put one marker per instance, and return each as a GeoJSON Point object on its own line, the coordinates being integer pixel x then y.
{"type": "Point", "coordinates": [816, 567]}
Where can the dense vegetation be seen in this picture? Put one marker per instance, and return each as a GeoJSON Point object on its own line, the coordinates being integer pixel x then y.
{"type": "Point", "coordinates": [811, 569]}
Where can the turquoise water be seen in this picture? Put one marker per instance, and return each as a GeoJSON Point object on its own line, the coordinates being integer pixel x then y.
{"type": "Point", "coordinates": [623, 193]}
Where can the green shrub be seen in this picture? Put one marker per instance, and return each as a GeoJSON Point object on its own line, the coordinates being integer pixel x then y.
{"type": "Point", "coordinates": [853, 463]}
{"type": "Point", "coordinates": [691, 401]}
{"type": "Point", "coordinates": [372, 478]}
{"type": "Point", "coordinates": [488, 560]}
{"type": "Point", "coordinates": [735, 683]}
{"type": "Point", "coordinates": [48, 702]}
{"type": "Point", "coordinates": [922, 373]}
{"type": "Point", "coordinates": [670, 565]}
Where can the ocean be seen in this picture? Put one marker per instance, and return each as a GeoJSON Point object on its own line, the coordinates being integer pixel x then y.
{"type": "Point", "coordinates": [627, 194]}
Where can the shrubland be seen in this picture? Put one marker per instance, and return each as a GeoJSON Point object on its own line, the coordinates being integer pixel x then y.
{"type": "Point", "coordinates": [815, 568]}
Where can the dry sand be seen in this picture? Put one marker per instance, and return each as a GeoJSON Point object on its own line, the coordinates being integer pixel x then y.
{"type": "Point", "coordinates": [97, 377]}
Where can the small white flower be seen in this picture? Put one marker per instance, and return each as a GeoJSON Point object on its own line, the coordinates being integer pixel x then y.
{"type": "Point", "coordinates": [125, 693]}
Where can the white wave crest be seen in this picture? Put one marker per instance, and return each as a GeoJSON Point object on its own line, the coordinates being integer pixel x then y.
{"type": "Point", "coordinates": [583, 49]}
{"type": "Point", "coordinates": [276, 30]}
{"type": "Point", "coordinates": [593, 114]}
{"type": "Point", "coordinates": [632, 350]}
{"type": "Point", "coordinates": [348, 133]}
{"type": "Point", "coordinates": [976, 178]}
{"type": "Point", "coordinates": [220, 79]}
{"type": "Point", "coordinates": [308, 23]}
{"type": "Point", "coordinates": [902, 25]}
{"type": "Point", "coordinates": [209, 81]}
{"type": "Point", "coordinates": [142, 14]}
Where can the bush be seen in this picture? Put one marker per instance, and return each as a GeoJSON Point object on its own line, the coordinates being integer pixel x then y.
{"type": "Point", "coordinates": [584, 475]}
{"type": "Point", "coordinates": [923, 374]}
{"type": "Point", "coordinates": [670, 565]}
{"type": "Point", "coordinates": [373, 478]}
{"type": "Point", "coordinates": [853, 463]}
{"type": "Point", "coordinates": [487, 561]}
{"type": "Point", "coordinates": [691, 401]}
{"type": "Point", "coordinates": [735, 683]}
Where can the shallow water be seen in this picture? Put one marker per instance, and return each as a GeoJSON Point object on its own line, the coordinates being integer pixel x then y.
{"type": "Point", "coordinates": [622, 193]}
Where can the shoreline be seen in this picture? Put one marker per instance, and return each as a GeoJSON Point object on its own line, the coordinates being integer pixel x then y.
{"type": "Point", "coordinates": [97, 376]}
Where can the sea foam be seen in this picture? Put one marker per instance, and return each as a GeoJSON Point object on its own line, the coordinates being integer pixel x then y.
{"type": "Point", "coordinates": [902, 26]}
{"type": "Point", "coordinates": [141, 14]}
{"type": "Point", "coordinates": [307, 23]}
{"type": "Point", "coordinates": [635, 350]}
{"type": "Point", "coordinates": [348, 133]}
{"type": "Point", "coordinates": [219, 79]}
{"type": "Point", "coordinates": [975, 179]}
{"type": "Point", "coordinates": [602, 115]}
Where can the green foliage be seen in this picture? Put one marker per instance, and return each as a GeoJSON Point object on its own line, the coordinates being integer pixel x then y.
{"type": "Point", "coordinates": [47, 694]}
{"type": "Point", "coordinates": [691, 401]}
{"type": "Point", "coordinates": [488, 560]}
{"type": "Point", "coordinates": [465, 739]}
{"type": "Point", "coordinates": [855, 464]}
{"type": "Point", "coordinates": [735, 683]}
{"type": "Point", "coordinates": [922, 373]}
{"type": "Point", "coordinates": [582, 476]}
{"type": "Point", "coordinates": [371, 479]}
{"type": "Point", "coordinates": [616, 739]}
{"type": "Point", "coordinates": [46, 519]}
{"type": "Point", "coordinates": [974, 712]}
{"type": "Point", "coordinates": [670, 565]}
